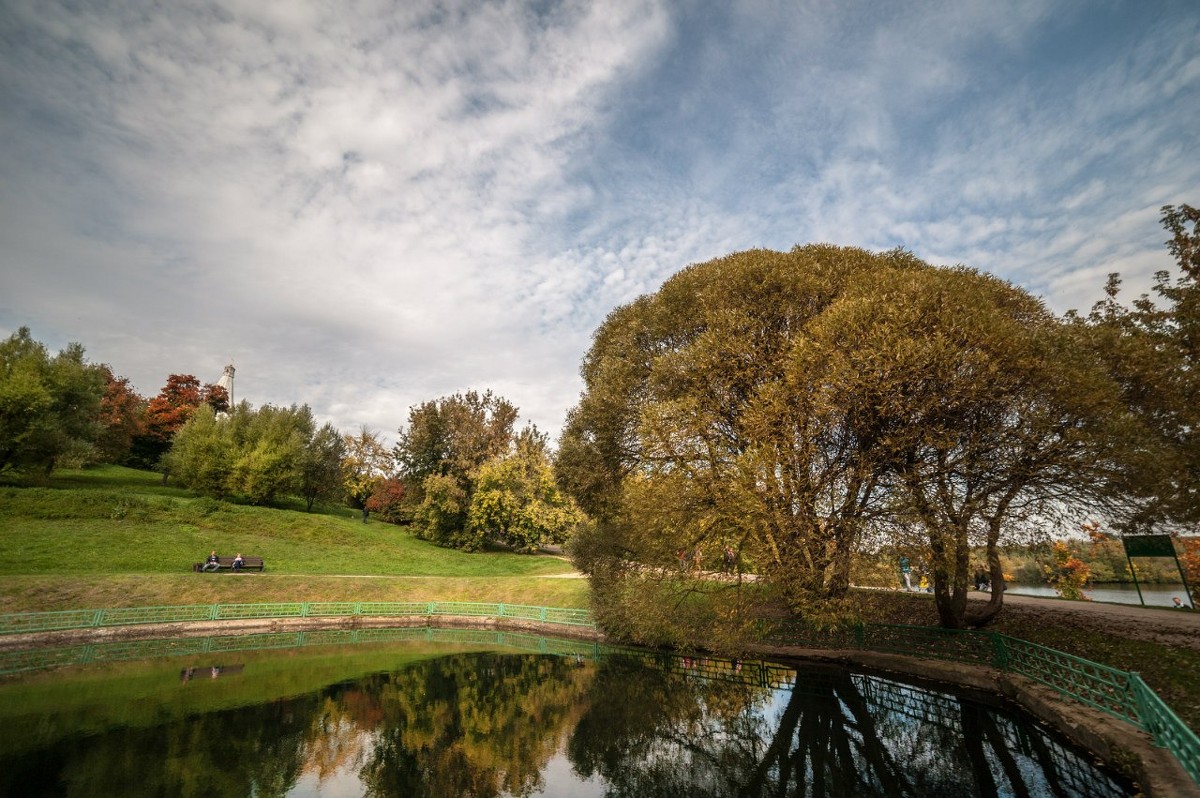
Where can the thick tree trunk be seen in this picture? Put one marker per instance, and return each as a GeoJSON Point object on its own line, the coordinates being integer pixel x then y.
{"type": "Point", "coordinates": [951, 567]}
{"type": "Point", "coordinates": [988, 613]}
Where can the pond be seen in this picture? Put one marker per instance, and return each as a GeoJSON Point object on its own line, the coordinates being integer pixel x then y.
{"type": "Point", "coordinates": [463, 713]}
{"type": "Point", "coordinates": [1115, 593]}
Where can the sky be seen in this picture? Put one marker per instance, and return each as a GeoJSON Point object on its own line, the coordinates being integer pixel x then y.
{"type": "Point", "coordinates": [365, 205]}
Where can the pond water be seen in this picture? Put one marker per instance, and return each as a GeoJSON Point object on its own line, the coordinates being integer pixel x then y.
{"type": "Point", "coordinates": [1115, 593]}
{"type": "Point", "coordinates": [496, 714]}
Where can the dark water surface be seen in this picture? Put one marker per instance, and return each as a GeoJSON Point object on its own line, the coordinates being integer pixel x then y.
{"type": "Point", "coordinates": [443, 719]}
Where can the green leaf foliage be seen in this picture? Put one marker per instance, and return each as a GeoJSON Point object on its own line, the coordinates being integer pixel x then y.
{"type": "Point", "coordinates": [1152, 348]}
{"type": "Point", "coordinates": [365, 463]}
{"type": "Point", "coordinates": [439, 455]}
{"type": "Point", "coordinates": [321, 467]}
{"type": "Point", "coordinates": [259, 455]}
{"type": "Point", "coordinates": [516, 500]}
{"type": "Point", "coordinates": [442, 515]}
{"type": "Point", "coordinates": [49, 405]}
{"type": "Point", "coordinates": [789, 407]}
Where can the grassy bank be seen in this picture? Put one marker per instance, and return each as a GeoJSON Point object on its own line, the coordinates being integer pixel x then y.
{"type": "Point", "coordinates": [112, 536]}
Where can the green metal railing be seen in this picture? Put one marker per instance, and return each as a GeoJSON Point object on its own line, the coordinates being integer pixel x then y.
{"type": "Point", "coordinates": [1119, 693]}
{"type": "Point", "coordinates": [24, 622]}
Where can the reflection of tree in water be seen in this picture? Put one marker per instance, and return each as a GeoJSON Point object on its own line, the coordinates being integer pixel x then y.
{"type": "Point", "coordinates": [476, 725]}
{"type": "Point", "coordinates": [254, 751]}
{"type": "Point", "coordinates": [647, 724]}
{"type": "Point", "coordinates": [834, 733]}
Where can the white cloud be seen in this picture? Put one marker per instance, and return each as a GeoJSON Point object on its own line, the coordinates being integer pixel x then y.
{"type": "Point", "coordinates": [366, 205]}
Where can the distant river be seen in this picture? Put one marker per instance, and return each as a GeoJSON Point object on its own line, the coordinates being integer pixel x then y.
{"type": "Point", "coordinates": [1113, 592]}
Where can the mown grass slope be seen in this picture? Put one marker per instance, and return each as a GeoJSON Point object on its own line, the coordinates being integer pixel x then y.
{"type": "Point", "coordinates": [113, 536]}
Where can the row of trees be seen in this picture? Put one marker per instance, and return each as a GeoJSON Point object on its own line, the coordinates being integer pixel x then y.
{"type": "Point", "coordinates": [259, 455]}
{"type": "Point", "coordinates": [461, 475]}
{"type": "Point", "coordinates": [794, 406]}
{"type": "Point", "coordinates": [63, 409]}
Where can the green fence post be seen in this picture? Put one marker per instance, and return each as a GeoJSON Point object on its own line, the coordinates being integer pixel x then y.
{"type": "Point", "coordinates": [214, 612]}
{"type": "Point", "coordinates": [499, 610]}
{"type": "Point", "coordinates": [304, 609]}
{"type": "Point", "coordinates": [358, 608]}
{"type": "Point", "coordinates": [999, 651]}
{"type": "Point", "coordinates": [1145, 717]}
{"type": "Point", "coordinates": [98, 618]}
{"type": "Point", "coordinates": [543, 613]}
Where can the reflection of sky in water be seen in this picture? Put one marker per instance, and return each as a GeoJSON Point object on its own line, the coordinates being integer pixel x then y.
{"type": "Point", "coordinates": [559, 779]}
{"type": "Point", "coordinates": [563, 782]}
{"type": "Point", "coordinates": [342, 784]}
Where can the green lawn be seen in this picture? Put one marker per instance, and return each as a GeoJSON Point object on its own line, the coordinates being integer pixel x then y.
{"type": "Point", "coordinates": [113, 536]}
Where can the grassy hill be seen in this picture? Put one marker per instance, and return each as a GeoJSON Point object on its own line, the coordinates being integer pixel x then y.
{"type": "Point", "coordinates": [111, 536]}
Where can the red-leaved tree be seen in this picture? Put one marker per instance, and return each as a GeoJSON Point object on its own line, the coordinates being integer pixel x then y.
{"type": "Point", "coordinates": [386, 501]}
{"type": "Point", "coordinates": [170, 410]}
{"type": "Point", "coordinates": [122, 416]}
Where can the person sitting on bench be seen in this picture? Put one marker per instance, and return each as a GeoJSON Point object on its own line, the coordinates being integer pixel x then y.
{"type": "Point", "coordinates": [238, 562]}
{"type": "Point", "coordinates": [212, 563]}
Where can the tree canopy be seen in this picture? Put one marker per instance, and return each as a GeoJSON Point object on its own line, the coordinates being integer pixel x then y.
{"type": "Point", "coordinates": [517, 501]}
{"type": "Point", "coordinates": [1152, 348]}
{"type": "Point", "coordinates": [783, 405]}
{"type": "Point", "coordinates": [49, 405]}
{"type": "Point", "coordinates": [366, 462]}
{"type": "Point", "coordinates": [167, 412]}
{"type": "Point", "coordinates": [439, 454]}
{"type": "Point", "coordinates": [258, 454]}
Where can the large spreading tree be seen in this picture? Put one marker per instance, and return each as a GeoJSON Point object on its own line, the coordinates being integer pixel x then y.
{"type": "Point", "coordinates": [987, 413]}
{"type": "Point", "coordinates": [781, 405]}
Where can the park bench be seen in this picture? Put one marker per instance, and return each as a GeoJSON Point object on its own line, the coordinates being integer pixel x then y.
{"type": "Point", "coordinates": [226, 564]}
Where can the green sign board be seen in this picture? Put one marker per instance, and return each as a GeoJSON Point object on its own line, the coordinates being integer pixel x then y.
{"type": "Point", "coordinates": [1149, 546]}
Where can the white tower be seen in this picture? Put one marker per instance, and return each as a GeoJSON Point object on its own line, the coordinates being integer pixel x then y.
{"type": "Point", "coordinates": [226, 382]}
